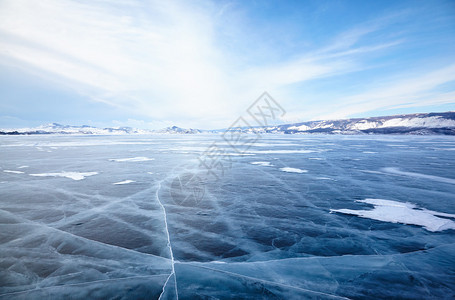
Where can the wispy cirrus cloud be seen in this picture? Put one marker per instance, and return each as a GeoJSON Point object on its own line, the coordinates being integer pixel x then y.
{"type": "Point", "coordinates": [412, 90]}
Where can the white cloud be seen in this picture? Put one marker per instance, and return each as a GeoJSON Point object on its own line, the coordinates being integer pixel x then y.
{"type": "Point", "coordinates": [155, 59]}
{"type": "Point", "coordinates": [410, 91]}
{"type": "Point", "coordinates": [161, 60]}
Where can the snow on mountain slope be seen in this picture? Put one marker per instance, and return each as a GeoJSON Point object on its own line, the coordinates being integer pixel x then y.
{"type": "Point", "coordinates": [432, 122]}
{"type": "Point", "coordinates": [428, 123]}
{"type": "Point", "coordinates": [55, 128]}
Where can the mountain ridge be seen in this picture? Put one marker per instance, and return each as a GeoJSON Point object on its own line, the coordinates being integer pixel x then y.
{"type": "Point", "coordinates": [418, 123]}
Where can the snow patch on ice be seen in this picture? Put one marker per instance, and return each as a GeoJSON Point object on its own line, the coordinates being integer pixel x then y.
{"type": "Point", "coordinates": [14, 172]}
{"type": "Point", "coordinates": [404, 213]}
{"type": "Point", "coordinates": [397, 171]}
{"type": "Point", "coordinates": [325, 178]}
{"type": "Point", "coordinates": [293, 170]}
{"type": "Point", "coordinates": [22, 167]}
{"type": "Point", "coordinates": [262, 163]}
{"type": "Point", "coordinates": [125, 182]}
{"type": "Point", "coordinates": [282, 151]}
{"type": "Point", "coordinates": [70, 175]}
{"type": "Point", "coordinates": [270, 144]}
{"type": "Point", "coordinates": [132, 159]}
{"type": "Point", "coordinates": [371, 172]}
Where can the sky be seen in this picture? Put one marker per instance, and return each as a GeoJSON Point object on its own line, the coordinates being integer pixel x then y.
{"type": "Point", "coordinates": [201, 63]}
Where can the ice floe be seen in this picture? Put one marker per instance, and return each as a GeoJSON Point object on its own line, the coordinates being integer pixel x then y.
{"type": "Point", "coordinates": [125, 182]}
{"type": "Point", "coordinates": [293, 170]}
{"type": "Point", "coordinates": [404, 213]}
{"type": "Point", "coordinates": [132, 159]}
{"type": "Point", "coordinates": [70, 175]}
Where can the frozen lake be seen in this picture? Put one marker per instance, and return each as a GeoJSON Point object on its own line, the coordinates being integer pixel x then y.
{"type": "Point", "coordinates": [291, 217]}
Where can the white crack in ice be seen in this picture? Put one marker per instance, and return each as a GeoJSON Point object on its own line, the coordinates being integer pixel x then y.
{"type": "Point", "coordinates": [168, 245]}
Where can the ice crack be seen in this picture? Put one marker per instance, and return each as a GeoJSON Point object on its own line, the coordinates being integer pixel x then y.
{"type": "Point", "coordinates": [168, 245]}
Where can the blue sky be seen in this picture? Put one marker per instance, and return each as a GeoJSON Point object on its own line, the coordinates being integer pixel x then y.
{"type": "Point", "coordinates": [200, 64]}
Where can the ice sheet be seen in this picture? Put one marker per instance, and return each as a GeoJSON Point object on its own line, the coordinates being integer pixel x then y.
{"type": "Point", "coordinates": [255, 232]}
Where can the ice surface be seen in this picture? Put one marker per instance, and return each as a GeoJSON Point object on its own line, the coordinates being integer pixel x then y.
{"type": "Point", "coordinates": [70, 175]}
{"type": "Point", "coordinates": [293, 170]}
{"type": "Point", "coordinates": [405, 213]}
{"type": "Point", "coordinates": [254, 233]}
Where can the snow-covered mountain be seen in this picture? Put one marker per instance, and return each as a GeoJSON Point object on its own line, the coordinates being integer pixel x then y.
{"type": "Point", "coordinates": [55, 128]}
{"type": "Point", "coordinates": [175, 129]}
{"type": "Point", "coordinates": [426, 123]}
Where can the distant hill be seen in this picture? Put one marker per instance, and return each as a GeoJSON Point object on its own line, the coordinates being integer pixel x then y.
{"type": "Point", "coordinates": [423, 124]}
